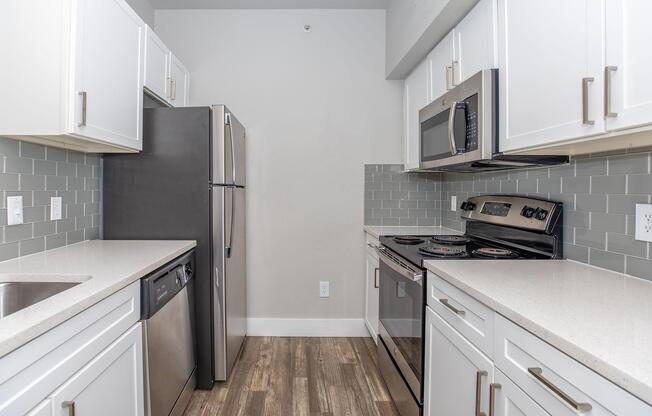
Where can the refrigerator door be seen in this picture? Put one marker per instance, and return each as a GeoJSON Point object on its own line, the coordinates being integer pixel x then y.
{"type": "Point", "coordinates": [230, 286]}
{"type": "Point", "coordinates": [228, 148]}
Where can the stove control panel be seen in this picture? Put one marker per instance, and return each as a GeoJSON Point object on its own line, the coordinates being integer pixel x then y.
{"type": "Point", "coordinates": [514, 211]}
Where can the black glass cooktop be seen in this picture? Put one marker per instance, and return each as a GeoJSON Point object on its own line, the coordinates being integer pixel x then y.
{"type": "Point", "coordinates": [419, 248]}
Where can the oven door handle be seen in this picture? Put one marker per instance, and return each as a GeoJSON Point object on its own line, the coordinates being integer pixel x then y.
{"type": "Point", "coordinates": [398, 266]}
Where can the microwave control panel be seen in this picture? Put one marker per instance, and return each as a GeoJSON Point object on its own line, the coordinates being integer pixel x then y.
{"type": "Point", "coordinates": [471, 123]}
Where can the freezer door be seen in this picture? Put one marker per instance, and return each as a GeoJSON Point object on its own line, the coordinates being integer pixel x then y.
{"type": "Point", "coordinates": [228, 148]}
{"type": "Point", "coordinates": [230, 282]}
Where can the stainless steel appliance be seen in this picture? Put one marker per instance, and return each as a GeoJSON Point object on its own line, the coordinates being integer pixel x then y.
{"type": "Point", "coordinates": [497, 227]}
{"type": "Point", "coordinates": [168, 333]}
{"type": "Point", "coordinates": [459, 130]}
{"type": "Point", "coordinates": [189, 183]}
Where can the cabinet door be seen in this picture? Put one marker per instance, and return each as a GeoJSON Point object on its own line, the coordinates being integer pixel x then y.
{"type": "Point", "coordinates": [111, 384]}
{"type": "Point", "coordinates": [551, 56]}
{"type": "Point", "coordinates": [180, 79]}
{"type": "Point", "coordinates": [441, 61]}
{"type": "Point", "coordinates": [107, 89]}
{"type": "Point", "coordinates": [415, 97]}
{"type": "Point", "coordinates": [629, 59]}
{"type": "Point", "coordinates": [157, 65]}
{"type": "Point", "coordinates": [371, 293]}
{"type": "Point", "coordinates": [475, 41]}
{"type": "Point", "coordinates": [511, 400]}
{"type": "Point", "coordinates": [457, 375]}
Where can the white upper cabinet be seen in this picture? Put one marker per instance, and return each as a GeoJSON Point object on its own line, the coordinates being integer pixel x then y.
{"type": "Point", "coordinates": [456, 374]}
{"type": "Point", "coordinates": [628, 99]}
{"type": "Point", "coordinates": [179, 83]}
{"type": "Point", "coordinates": [73, 73]}
{"type": "Point", "coordinates": [109, 45]}
{"type": "Point", "coordinates": [551, 60]}
{"type": "Point", "coordinates": [157, 65]}
{"type": "Point", "coordinates": [415, 97]}
{"type": "Point", "coordinates": [442, 65]}
{"type": "Point", "coordinates": [475, 41]}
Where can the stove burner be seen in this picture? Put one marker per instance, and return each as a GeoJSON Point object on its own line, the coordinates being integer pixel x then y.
{"type": "Point", "coordinates": [443, 251]}
{"type": "Point", "coordinates": [450, 239]}
{"type": "Point", "coordinates": [495, 253]}
{"type": "Point", "coordinates": [408, 240]}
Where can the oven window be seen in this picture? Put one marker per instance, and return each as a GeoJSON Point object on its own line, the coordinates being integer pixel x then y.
{"type": "Point", "coordinates": [434, 137]}
{"type": "Point", "coordinates": [401, 313]}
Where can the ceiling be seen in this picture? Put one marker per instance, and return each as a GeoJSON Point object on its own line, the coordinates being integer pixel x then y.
{"type": "Point", "coordinates": [268, 4]}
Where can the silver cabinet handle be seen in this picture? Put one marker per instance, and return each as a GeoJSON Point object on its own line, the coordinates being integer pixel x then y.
{"type": "Point", "coordinates": [585, 101]}
{"type": "Point", "coordinates": [492, 397]}
{"type": "Point", "coordinates": [70, 406]}
{"type": "Point", "coordinates": [173, 89]}
{"type": "Point", "coordinates": [608, 72]}
{"type": "Point", "coordinates": [168, 87]}
{"type": "Point", "coordinates": [453, 65]}
{"type": "Point", "coordinates": [376, 278]}
{"type": "Point", "coordinates": [451, 128]}
{"type": "Point", "coordinates": [478, 392]}
{"type": "Point", "coordinates": [84, 98]}
{"type": "Point", "coordinates": [372, 246]}
{"type": "Point", "coordinates": [447, 304]}
{"type": "Point", "coordinates": [537, 373]}
{"type": "Point", "coordinates": [449, 72]}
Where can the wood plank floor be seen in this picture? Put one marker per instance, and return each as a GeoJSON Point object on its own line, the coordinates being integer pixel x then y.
{"type": "Point", "coordinates": [300, 377]}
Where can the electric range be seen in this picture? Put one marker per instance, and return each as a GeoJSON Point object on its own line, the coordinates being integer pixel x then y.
{"type": "Point", "coordinates": [498, 227]}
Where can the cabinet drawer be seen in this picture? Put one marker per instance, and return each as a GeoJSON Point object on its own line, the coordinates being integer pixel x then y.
{"type": "Point", "coordinates": [558, 383]}
{"type": "Point", "coordinates": [30, 373]}
{"type": "Point", "coordinates": [471, 318]}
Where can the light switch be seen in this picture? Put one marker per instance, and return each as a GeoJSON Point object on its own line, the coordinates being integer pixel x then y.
{"type": "Point", "coordinates": [55, 208]}
{"type": "Point", "coordinates": [14, 210]}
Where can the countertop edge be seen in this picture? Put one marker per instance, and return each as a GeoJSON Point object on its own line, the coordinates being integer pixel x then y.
{"type": "Point", "coordinates": [26, 335]}
{"type": "Point", "coordinates": [634, 387]}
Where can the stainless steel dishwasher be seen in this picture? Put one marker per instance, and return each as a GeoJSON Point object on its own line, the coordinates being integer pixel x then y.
{"type": "Point", "coordinates": [168, 330]}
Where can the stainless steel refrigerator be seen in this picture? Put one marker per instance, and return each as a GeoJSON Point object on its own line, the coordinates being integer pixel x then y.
{"type": "Point", "coordinates": [189, 183]}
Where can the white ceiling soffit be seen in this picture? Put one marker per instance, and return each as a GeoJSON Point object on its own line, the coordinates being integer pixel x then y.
{"type": "Point", "coordinates": [268, 4]}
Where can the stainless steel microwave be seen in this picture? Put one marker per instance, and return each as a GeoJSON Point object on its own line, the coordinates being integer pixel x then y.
{"type": "Point", "coordinates": [459, 130]}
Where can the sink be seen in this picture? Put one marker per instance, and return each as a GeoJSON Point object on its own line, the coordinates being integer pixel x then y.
{"type": "Point", "coordinates": [15, 296]}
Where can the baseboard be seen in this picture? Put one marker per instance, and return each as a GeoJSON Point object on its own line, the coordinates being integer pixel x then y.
{"type": "Point", "coordinates": [306, 327]}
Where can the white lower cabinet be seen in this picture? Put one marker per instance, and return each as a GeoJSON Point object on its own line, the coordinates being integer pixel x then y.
{"type": "Point", "coordinates": [457, 374]}
{"type": "Point", "coordinates": [94, 359]}
{"type": "Point", "coordinates": [372, 277]}
{"type": "Point", "coordinates": [111, 384]}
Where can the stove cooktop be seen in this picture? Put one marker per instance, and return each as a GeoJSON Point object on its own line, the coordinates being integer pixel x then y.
{"type": "Point", "coordinates": [418, 249]}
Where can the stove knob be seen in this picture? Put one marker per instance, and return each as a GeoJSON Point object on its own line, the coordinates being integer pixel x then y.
{"type": "Point", "coordinates": [528, 212]}
{"type": "Point", "coordinates": [540, 214]}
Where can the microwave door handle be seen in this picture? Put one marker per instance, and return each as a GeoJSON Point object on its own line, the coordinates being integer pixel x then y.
{"type": "Point", "coordinates": [451, 128]}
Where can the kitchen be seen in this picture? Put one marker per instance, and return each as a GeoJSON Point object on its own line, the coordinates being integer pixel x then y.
{"type": "Point", "coordinates": [245, 207]}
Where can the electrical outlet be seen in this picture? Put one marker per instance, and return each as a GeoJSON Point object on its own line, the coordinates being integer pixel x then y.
{"type": "Point", "coordinates": [14, 210]}
{"type": "Point", "coordinates": [324, 289]}
{"type": "Point", "coordinates": [454, 203]}
{"type": "Point", "coordinates": [644, 222]}
{"type": "Point", "coordinates": [55, 208]}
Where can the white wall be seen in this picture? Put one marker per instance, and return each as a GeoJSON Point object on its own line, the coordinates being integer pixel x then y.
{"type": "Point", "coordinates": [317, 108]}
{"type": "Point", "coordinates": [414, 27]}
{"type": "Point", "coordinates": [144, 9]}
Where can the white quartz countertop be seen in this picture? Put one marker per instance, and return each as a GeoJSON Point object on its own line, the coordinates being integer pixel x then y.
{"type": "Point", "coordinates": [377, 231]}
{"type": "Point", "coordinates": [103, 267]}
{"type": "Point", "coordinates": [601, 318]}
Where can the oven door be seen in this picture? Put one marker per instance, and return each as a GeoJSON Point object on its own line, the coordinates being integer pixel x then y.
{"type": "Point", "coordinates": [401, 316]}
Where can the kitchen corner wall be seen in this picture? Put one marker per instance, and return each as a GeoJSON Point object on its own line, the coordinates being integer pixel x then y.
{"type": "Point", "coordinates": [36, 173]}
{"type": "Point", "coordinates": [393, 197]}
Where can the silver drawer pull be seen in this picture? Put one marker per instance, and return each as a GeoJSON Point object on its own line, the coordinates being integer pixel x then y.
{"type": "Point", "coordinates": [492, 397]}
{"type": "Point", "coordinates": [447, 304]}
{"type": "Point", "coordinates": [70, 406]}
{"type": "Point", "coordinates": [537, 373]}
{"type": "Point", "coordinates": [478, 392]}
{"type": "Point", "coordinates": [84, 102]}
{"type": "Point", "coordinates": [608, 72]}
{"type": "Point", "coordinates": [585, 101]}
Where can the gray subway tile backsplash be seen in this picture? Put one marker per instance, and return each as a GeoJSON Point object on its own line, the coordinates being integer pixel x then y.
{"type": "Point", "coordinates": [599, 195]}
{"type": "Point", "coordinates": [37, 173]}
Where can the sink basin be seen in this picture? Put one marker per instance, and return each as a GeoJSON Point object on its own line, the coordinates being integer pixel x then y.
{"type": "Point", "coordinates": [15, 296]}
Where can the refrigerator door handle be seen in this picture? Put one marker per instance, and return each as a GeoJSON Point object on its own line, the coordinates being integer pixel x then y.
{"type": "Point", "coordinates": [229, 124]}
{"type": "Point", "coordinates": [229, 240]}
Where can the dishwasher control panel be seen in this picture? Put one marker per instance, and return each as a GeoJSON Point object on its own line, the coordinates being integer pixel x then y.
{"type": "Point", "coordinates": [162, 285]}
